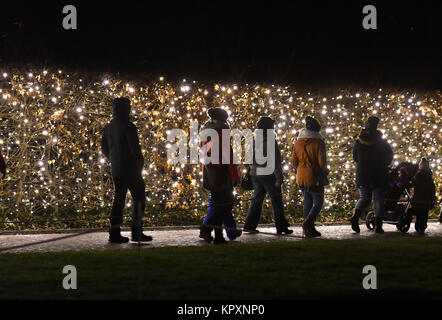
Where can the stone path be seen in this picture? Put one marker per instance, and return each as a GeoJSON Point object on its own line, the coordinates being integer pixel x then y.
{"type": "Point", "coordinates": [167, 237]}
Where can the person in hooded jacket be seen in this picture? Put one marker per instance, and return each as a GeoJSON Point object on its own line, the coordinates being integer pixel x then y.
{"type": "Point", "coordinates": [267, 184]}
{"type": "Point", "coordinates": [121, 146]}
{"type": "Point", "coordinates": [219, 178]}
{"type": "Point", "coordinates": [424, 195]}
{"type": "Point", "coordinates": [310, 161]}
{"type": "Point", "coordinates": [372, 155]}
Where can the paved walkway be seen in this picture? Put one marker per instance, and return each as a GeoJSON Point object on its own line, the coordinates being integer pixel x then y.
{"type": "Point", "coordinates": [165, 237]}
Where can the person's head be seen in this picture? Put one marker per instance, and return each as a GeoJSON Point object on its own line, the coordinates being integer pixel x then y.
{"type": "Point", "coordinates": [265, 123]}
{"type": "Point", "coordinates": [372, 123]}
{"type": "Point", "coordinates": [424, 164]}
{"type": "Point", "coordinates": [312, 124]}
{"type": "Point", "coordinates": [218, 114]}
{"type": "Point", "coordinates": [121, 108]}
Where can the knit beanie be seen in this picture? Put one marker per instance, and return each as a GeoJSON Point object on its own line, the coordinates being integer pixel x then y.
{"type": "Point", "coordinates": [265, 123]}
{"type": "Point", "coordinates": [218, 114]}
{"type": "Point", "coordinates": [312, 124]}
{"type": "Point", "coordinates": [424, 164]}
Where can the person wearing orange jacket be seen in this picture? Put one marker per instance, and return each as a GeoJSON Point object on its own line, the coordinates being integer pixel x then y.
{"type": "Point", "coordinates": [310, 162]}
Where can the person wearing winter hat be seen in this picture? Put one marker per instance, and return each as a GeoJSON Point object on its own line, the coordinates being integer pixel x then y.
{"type": "Point", "coordinates": [264, 183]}
{"type": "Point", "coordinates": [220, 179]}
{"type": "Point", "coordinates": [310, 161]}
{"type": "Point", "coordinates": [120, 144]}
{"type": "Point", "coordinates": [424, 195]}
{"type": "Point", "coordinates": [220, 116]}
{"type": "Point", "coordinates": [372, 155]}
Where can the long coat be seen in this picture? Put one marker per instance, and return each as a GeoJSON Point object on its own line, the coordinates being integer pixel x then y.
{"type": "Point", "coordinates": [309, 158]}
{"type": "Point", "coordinates": [219, 176]}
{"type": "Point", "coordinates": [424, 192]}
{"type": "Point", "coordinates": [372, 155]}
{"type": "Point", "coordinates": [120, 144]}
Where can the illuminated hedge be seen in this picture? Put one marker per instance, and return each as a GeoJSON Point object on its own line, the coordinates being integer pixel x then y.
{"type": "Point", "coordinates": [52, 121]}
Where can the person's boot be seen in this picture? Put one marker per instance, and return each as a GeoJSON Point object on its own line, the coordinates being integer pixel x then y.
{"type": "Point", "coordinates": [233, 234]}
{"type": "Point", "coordinates": [355, 220]}
{"type": "Point", "coordinates": [206, 234]}
{"type": "Point", "coordinates": [379, 225]}
{"type": "Point", "coordinates": [306, 227]}
{"type": "Point", "coordinates": [139, 236]}
{"type": "Point", "coordinates": [116, 237]}
{"type": "Point", "coordinates": [285, 230]}
{"type": "Point", "coordinates": [219, 238]}
{"type": "Point", "coordinates": [315, 233]}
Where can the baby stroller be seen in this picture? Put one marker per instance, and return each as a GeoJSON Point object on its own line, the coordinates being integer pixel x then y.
{"type": "Point", "coordinates": [398, 198]}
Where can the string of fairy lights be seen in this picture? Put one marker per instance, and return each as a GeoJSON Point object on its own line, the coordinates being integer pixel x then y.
{"type": "Point", "coordinates": [51, 124]}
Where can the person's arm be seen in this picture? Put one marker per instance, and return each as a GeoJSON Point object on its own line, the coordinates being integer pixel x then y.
{"type": "Point", "coordinates": [322, 158]}
{"type": "Point", "coordinates": [388, 154]}
{"type": "Point", "coordinates": [295, 160]}
{"type": "Point", "coordinates": [134, 145]}
{"type": "Point", "coordinates": [104, 145]}
{"type": "Point", "coordinates": [278, 165]}
{"type": "Point", "coordinates": [355, 152]}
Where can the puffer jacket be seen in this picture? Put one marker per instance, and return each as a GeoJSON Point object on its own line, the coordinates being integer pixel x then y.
{"type": "Point", "coordinates": [373, 156]}
{"type": "Point", "coordinates": [308, 172]}
{"type": "Point", "coordinates": [219, 176]}
{"type": "Point", "coordinates": [120, 144]}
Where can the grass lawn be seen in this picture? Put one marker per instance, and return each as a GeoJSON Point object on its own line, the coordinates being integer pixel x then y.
{"type": "Point", "coordinates": [407, 267]}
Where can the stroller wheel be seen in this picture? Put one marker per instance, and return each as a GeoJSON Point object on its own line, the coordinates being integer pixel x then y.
{"type": "Point", "coordinates": [404, 224]}
{"type": "Point", "coordinates": [370, 221]}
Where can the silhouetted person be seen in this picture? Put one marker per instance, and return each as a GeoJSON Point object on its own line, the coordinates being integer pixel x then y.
{"type": "Point", "coordinates": [372, 155]}
{"type": "Point", "coordinates": [219, 179]}
{"type": "Point", "coordinates": [121, 146]}
{"type": "Point", "coordinates": [267, 183]}
{"type": "Point", "coordinates": [2, 165]}
{"type": "Point", "coordinates": [424, 195]}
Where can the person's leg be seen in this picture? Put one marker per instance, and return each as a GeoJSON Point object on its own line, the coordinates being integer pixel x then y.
{"type": "Point", "coordinates": [277, 205]}
{"type": "Point", "coordinates": [379, 207]}
{"type": "Point", "coordinates": [379, 202]}
{"type": "Point", "coordinates": [365, 195]}
{"type": "Point", "coordinates": [230, 226]}
{"type": "Point", "coordinates": [318, 202]}
{"type": "Point", "coordinates": [425, 220]}
{"type": "Point", "coordinates": [209, 211]}
{"type": "Point", "coordinates": [255, 208]}
{"type": "Point", "coordinates": [223, 202]}
{"type": "Point", "coordinates": [308, 202]}
{"type": "Point", "coordinates": [138, 190]}
{"type": "Point", "coordinates": [116, 218]}
{"type": "Point", "coordinates": [421, 220]}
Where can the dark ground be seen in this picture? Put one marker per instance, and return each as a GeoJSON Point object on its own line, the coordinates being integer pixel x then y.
{"type": "Point", "coordinates": [406, 268]}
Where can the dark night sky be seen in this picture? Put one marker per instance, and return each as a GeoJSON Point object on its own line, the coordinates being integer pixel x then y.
{"type": "Point", "coordinates": [309, 43]}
